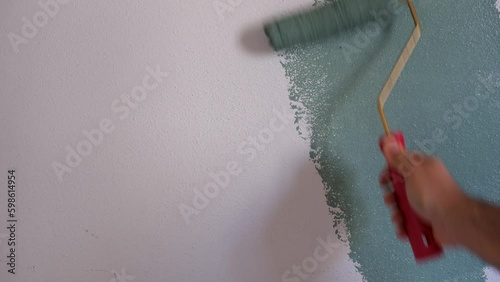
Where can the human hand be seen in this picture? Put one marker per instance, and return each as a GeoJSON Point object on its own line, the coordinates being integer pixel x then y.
{"type": "Point", "coordinates": [432, 192]}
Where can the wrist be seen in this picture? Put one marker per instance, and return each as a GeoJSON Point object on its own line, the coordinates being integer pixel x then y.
{"type": "Point", "coordinates": [450, 216]}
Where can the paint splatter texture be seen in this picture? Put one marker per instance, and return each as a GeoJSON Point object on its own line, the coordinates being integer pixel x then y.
{"type": "Point", "coordinates": [333, 88]}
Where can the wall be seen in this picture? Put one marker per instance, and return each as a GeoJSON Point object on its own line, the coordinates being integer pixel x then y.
{"type": "Point", "coordinates": [154, 141]}
{"type": "Point", "coordinates": [450, 88]}
{"type": "Point", "coordinates": [116, 214]}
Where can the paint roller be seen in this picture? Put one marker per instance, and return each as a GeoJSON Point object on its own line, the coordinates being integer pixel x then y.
{"type": "Point", "coordinates": [333, 19]}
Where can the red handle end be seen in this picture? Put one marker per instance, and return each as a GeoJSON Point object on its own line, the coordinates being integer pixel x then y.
{"type": "Point", "coordinates": [420, 234]}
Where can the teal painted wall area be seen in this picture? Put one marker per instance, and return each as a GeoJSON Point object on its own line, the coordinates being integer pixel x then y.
{"type": "Point", "coordinates": [334, 87]}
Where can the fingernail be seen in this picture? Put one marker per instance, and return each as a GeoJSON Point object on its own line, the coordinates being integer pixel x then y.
{"type": "Point", "coordinates": [392, 148]}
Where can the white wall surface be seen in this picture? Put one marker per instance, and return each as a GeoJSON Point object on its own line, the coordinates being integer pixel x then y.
{"type": "Point", "coordinates": [115, 216]}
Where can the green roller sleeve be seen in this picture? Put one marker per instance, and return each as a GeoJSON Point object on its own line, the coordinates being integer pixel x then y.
{"type": "Point", "coordinates": [329, 20]}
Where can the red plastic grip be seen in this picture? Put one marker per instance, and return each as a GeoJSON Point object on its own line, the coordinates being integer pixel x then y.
{"type": "Point", "coordinates": [420, 235]}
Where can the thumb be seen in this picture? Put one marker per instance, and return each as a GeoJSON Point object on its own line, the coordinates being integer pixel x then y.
{"type": "Point", "coordinates": [394, 153]}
